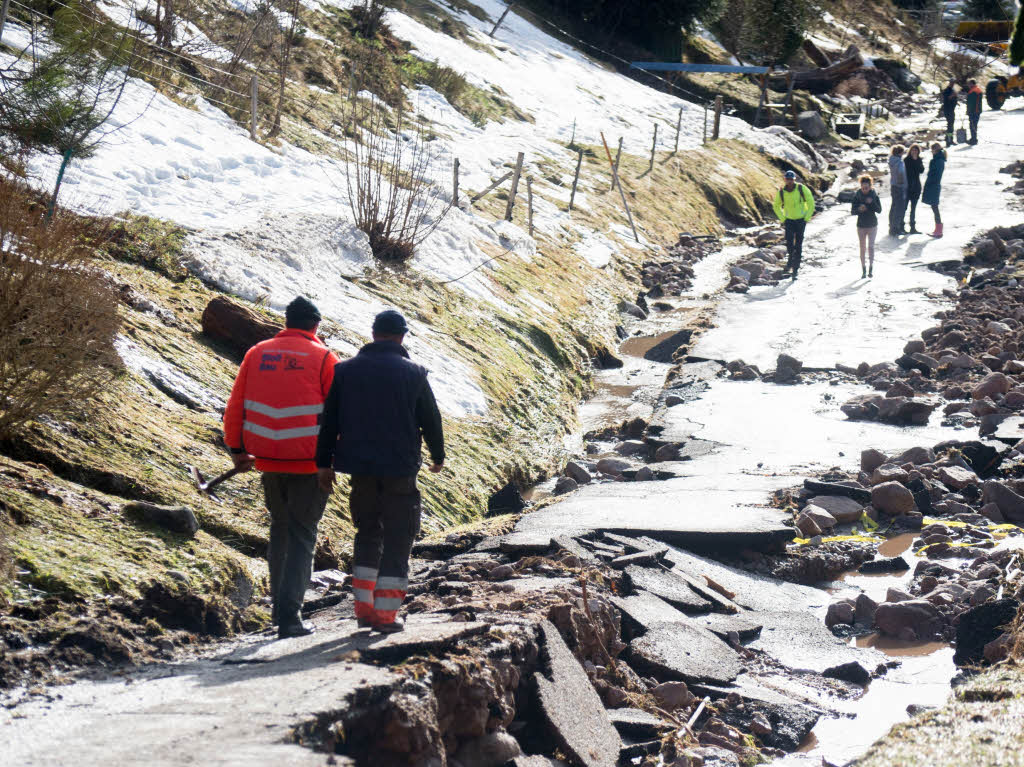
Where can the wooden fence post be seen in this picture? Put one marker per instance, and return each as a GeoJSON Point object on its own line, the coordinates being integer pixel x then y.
{"type": "Point", "coordinates": [501, 19]}
{"type": "Point", "coordinates": [760, 102]}
{"type": "Point", "coordinates": [615, 167]}
{"type": "Point", "coordinates": [654, 146]}
{"type": "Point", "coordinates": [576, 178]}
{"type": "Point", "coordinates": [515, 186]}
{"type": "Point", "coordinates": [679, 127]}
{"type": "Point", "coordinates": [529, 201]}
{"type": "Point", "coordinates": [718, 118]}
{"type": "Point", "coordinates": [621, 192]}
{"type": "Point", "coordinates": [254, 95]}
{"type": "Point", "coordinates": [455, 182]}
{"type": "Point", "coordinates": [573, 139]}
{"type": "Point", "coordinates": [705, 123]}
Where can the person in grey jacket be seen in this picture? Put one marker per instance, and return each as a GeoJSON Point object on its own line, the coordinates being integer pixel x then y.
{"type": "Point", "coordinates": [898, 184]}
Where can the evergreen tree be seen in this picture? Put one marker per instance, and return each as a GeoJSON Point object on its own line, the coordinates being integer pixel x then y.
{"type": "Point", "coordinates": [1017, 41]}
{"type": "Point", "coordinates": [989, 10]}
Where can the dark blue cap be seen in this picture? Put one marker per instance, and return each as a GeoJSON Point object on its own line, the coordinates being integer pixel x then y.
{"type": "Point", "coordinates": [790, 174]}
{"type": "Point", "coordinates": [390, 323]}
{"type": "Point", "coordinates": [301, 313]}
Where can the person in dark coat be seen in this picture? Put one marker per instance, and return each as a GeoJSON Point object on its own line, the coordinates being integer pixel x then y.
{"type": "Point", "coordinates": [377, 414]}
{"type": "Point", "coordinates": [915, 167]}
{"type": "Point", "coordinates": [949, 100]}
{"type": "Point", "coordinates": [866, 207]}
{"type": "Point", "coordinates": [933, 185]}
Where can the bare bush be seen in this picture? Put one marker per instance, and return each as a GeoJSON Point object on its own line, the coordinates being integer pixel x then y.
{"type": "Point", "coordinates": [390, 178]}
{"type": "Point", "coordinates": [58, 313]}
{"type": "Point", "coordinates": [369, 18]}
{"type": "Point", "coordinates": [962, 66]}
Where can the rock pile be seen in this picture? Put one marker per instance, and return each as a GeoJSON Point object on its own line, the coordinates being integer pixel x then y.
{"type": "Point", "coordinates": [674, 275]}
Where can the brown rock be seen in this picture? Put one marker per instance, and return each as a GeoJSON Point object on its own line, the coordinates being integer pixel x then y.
{"type": "Point", "coordinates": [915, 617]}
{"type": "Point", "coordinates": [237, 325]}
{"type": "Point", "coordinates": [992, 384]}
{"type": "Point", "coordinates": [957, 477]}
{"type": "Point", "coordinates": [839, 613]}
{"type": "Point", "coordinates": [807, 526]}
{"type": "Point", "coordinates": [892, 498]}
{"type": "Point", "coordinates": [871, 459]}
{"type": "Point", "coordinates": [888, 472]}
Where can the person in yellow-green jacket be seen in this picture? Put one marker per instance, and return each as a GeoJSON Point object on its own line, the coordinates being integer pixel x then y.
{"type": "Point", "coordinates": [794, 205]}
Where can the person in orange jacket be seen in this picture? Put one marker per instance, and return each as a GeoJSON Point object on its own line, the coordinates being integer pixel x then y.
{"type": "Point", "coordinates": [272, 421]}
{"type": "Point", "coordinates": [974, 99]}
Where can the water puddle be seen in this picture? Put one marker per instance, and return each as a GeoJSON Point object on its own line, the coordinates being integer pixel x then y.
{"type": "Point", "coordinates": [897, 545]}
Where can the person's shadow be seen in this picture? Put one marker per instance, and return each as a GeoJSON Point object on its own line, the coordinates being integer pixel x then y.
{"type": "Point", "coordinates": [849, 288]}
{"type": "Point", "coordinates": [770, 293]}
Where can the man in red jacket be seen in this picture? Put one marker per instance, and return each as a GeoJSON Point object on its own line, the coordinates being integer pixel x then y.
{"type": "Point", "coordinates": [271, 421]}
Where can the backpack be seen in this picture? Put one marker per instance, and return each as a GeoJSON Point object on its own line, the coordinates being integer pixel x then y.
{"type": "Point", "coordinates": [803, 194]}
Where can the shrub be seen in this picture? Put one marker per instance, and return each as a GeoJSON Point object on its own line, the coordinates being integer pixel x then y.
{"type": "Point", "coordinates": [992, 10]}
{"type": "Point", "coordinates": [369, 19]}
{"type": "Point", "coordinates": [1017, 41]}
{"type": "Point", "coordinates": [962, 65]}
{"type": "Point", "coordinates": [58, 313]}
{"type": "Point", "coordinates": [389, 179]}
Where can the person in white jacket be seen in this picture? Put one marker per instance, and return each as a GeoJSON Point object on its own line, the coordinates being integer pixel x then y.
{"type": "Point", "coordinates": [898, 184]}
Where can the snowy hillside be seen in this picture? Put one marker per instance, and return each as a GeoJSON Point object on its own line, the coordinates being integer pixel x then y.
{"type": "Point", "coordinates": [284, 209]}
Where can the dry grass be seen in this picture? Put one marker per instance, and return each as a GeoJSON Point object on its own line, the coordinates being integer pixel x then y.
{"type": "Point", "coordinates": [58, 313]}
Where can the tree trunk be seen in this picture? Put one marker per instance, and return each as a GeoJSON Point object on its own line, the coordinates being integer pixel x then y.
{"type": "Point", "coordinates": [288, 42]}
{"type": "Point", "coordinates": [56, 189]}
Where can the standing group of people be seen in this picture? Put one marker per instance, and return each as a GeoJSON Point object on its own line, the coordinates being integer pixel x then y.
{"type": "Point", "coordinates": [905, 183]}
{"type": "Point", "coordinates": [949, 100]}
{"type": "Point", "coordinates": [299, 415]}
{"type": "Point", "coordinates": [794, 204]}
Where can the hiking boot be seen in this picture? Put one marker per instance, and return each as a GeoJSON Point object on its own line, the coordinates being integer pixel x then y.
{"type": "Point", "coordinates": [793, 278]}
{"type": "Point", "coordinates": [390, 628]}
{"type": "Point", "coordinates": [863, 272]}
{"type": "Point", "coordinates": [913, 230]}
{"type": "Point", "coordinates": [364, 623]}
{"type": "Point", "coordinates": [292, 630]}
{"type": "Point", "coordinates": [871, 272]}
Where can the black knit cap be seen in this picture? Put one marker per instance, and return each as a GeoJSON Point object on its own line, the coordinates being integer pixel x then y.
{"type": "Point", "coordinates": [390, 323]}
{"type": "Point", "coordinates": [301, 313]}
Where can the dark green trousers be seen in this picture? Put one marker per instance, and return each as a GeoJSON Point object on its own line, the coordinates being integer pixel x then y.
{"type": "Point", "coordinates": [295, 503]}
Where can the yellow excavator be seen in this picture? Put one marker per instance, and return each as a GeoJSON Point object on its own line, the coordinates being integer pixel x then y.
{"type": "Point", "coordinates": [994, 38]}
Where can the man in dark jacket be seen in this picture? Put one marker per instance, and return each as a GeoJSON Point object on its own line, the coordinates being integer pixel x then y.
{"type": "Point", "coordinates": [379, 408]}
{"type": "Point", "coordinates": [974, 96]}
{"type": "Point", "coordinates": [949, 99]}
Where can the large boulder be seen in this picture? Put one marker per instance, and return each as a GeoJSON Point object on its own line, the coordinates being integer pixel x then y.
{"type": "Point", "coordinates": [1009, 503]}
{"type": "Point", "coordinates": [912, 619]}
{"type": "Point", "coordinates": [811, 125]}
{"type": "Point", "coordinates": [508, 500]}
{"type": "Point", "coordinates": [236, 325]}
{"type": "Point", "coordinates": [178, 519]}
{"type": "Point", "coordinates": [892, 498]}
{"type": "Point", "coordinates": [981, 625]}
{"type": "Point", "coordinates": [787, 369]}
{"type": "Point", "coordinates": [991, 385]}
{"type": "Point", "coordinates": [841, 508]}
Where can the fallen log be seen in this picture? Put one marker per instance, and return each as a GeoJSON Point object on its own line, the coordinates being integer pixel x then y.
{"type": "Point", "coordinates": [823, 79]}
{"type": "Point", "coordinates": [817, 56]}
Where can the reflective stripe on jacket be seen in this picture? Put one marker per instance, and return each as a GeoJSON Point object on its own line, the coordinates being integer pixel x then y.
{"type": "Point", "coordinates": [794, 205]}
{"type": "Point", "coordinates": [277, 401]}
